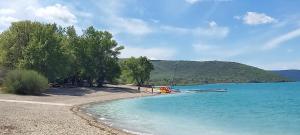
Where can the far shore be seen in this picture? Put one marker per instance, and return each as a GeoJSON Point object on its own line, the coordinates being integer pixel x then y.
{"type": "Point", "coordinates": [58, 111]}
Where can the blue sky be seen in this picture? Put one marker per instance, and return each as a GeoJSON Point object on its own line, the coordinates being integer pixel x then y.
{"type": "Point", "coordinates": [265, 34]}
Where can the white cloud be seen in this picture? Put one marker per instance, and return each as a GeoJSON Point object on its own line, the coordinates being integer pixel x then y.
{"type": "Point", "coordinates": [115, 21]}
{"type": "Point", "coordinates": [55, 13]}
{"type": "Point", "coordinates": [129, 25]}
{"type": "Point", "coordinates": [7, 11]}
{"type": "Point", "coordinates": [277, 41]}
{"type": "Point", "coordinates": [175, 30]}
{"type": "Point", "coordinates": [217, 52]}
{"type": "Point", "coordinates": [254, 18]}
{"type": "Point", "coordinates": [212, 24]}
{"type": "Point", "coordinates": [11, 11]}
{"type": "Point", "coordinates": [111, 16]}
{"type": "Point", "coordinates": [5, 22]}
{"type": "Point", "coordinates": [156, 53]}
{"type": "Point", "coordinates": [278, 65]}
{"type": "Point", "coordinates": [211, 31]}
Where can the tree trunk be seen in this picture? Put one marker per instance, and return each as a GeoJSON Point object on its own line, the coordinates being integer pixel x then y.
{"type": "Point", "coordinates": [152, 89]}
{"type": "Point", "coordinates": [73, 80]}
{"type": "Point", "coordinates": [100, 82]}
{"type": "Point", "coordinates": [90, 82]}
{"type": "Point", "coordinates": [76, 81]}
{"type": "Point", "coordinates": [139, 88]}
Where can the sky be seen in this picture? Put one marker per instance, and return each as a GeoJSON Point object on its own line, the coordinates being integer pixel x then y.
{"type": "Point", "coordinates": [265, 34]}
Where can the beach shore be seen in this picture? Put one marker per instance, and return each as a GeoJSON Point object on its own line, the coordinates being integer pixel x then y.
{"type": "Point", "coordinates": [58, 111]}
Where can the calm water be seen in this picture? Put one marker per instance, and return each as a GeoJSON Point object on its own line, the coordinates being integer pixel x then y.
{"type": "Point", "coordinates": [246, 109]}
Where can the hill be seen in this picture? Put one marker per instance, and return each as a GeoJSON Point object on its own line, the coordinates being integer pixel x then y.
{"type": "Point", "coordinates": [290, 74]}
{"type": "Point", "coordinates": [195, 72]}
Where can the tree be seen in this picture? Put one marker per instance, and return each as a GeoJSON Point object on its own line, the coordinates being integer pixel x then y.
{"type": "Point", "coordinates": [45, 53]}
{"type": "Point", "coordinates": [12, 43]}
{"type": "Point", "coordinates": [36, 46]}
{"type": "Point", "coordinates": [99, 60]}
{"type": "Point", "coordinates": [74, 52]}
{"type": "Point", "coordinates": [59, 53]}
{"type": "Point", "coordinates": [138, 69]}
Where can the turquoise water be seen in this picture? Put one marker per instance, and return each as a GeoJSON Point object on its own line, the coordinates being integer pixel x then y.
{"type": "Point", "coordinates": [246, 109]}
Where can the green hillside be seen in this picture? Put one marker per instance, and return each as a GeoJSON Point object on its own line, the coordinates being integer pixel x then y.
{"type": "Point", "coordinates": [194, 72]}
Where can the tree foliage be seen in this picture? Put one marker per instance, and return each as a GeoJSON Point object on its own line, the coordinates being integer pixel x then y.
{"type": "Point", "coordinates": [99, 60]}
{"type": "Point", "coordinates": [137, 69]}
{"type": "Point", "coordinates": [59, 53]}
{"type": "Point", "coordinates": [36, 46]}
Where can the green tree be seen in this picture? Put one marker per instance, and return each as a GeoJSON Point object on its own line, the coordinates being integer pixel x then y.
{"type": "Point", "coordinates": [44, 52]}
{"type": "Point", "coordinates": [12, 43]}
{"type": "Point", "coordinates": [59, 53]}
{"type": "Point", "coordinates": [72, 46]}
{"type": "Point", "coordinates": [99, 56]}
{"type": "Point", "coordinates": [138, 69]}
{"type": "Point", "coordinates": [36, 46]}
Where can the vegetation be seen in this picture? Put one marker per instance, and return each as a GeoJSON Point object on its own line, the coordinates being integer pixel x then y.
{"type": "Point", "coordinates": [59, 53]}
{"type": "Point", "coordinates": [193, 72]}
{"type": "Point", "coordinates": [136, 70]}
{"type": "Point", "coordinates": [63, 56]}
{"type": "Point", "coordinates": [25, 82]}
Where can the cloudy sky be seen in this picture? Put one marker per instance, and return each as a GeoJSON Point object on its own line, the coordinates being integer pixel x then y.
{"type": "Point", "coordinates": [260, 33]}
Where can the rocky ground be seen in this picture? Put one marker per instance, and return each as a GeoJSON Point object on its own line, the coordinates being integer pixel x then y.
{"type": "Point", "coordinates": [57, 111]}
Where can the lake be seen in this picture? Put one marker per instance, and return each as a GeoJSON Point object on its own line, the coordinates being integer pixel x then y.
{"type": "Point", "coordinates": [245, 109]}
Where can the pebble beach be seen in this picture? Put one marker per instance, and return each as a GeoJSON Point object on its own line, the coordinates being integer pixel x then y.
{"type": "Point", "coordinates": [58, 111]}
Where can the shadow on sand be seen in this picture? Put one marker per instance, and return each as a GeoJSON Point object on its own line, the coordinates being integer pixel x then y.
{"type": "Point", "coordinates": [81, 91]}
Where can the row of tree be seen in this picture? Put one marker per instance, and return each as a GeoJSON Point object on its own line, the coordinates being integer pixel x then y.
{"type": "Point", "coordinates": [62, 55]}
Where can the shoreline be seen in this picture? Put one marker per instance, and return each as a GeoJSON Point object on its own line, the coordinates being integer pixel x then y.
{"type": "Point", "coordinates": [47, 114]}
{"type": "Point", "coordinates": [92, 120]}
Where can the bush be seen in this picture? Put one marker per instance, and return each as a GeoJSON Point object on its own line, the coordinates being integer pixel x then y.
{"type": "Point", "coordinates": [25, 82]}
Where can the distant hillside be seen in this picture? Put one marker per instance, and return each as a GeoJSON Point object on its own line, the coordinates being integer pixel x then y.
{"type": "Point", "coordinates": [194, 72]}
{"type": "Point", "coordinates": [290, 74]}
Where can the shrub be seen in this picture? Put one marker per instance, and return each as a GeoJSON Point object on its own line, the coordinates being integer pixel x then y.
{"type": "Point", "coordinates": [25, 82]}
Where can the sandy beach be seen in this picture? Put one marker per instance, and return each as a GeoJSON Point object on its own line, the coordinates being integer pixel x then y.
{"type": "Point", "coordinates": [58, 111]}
